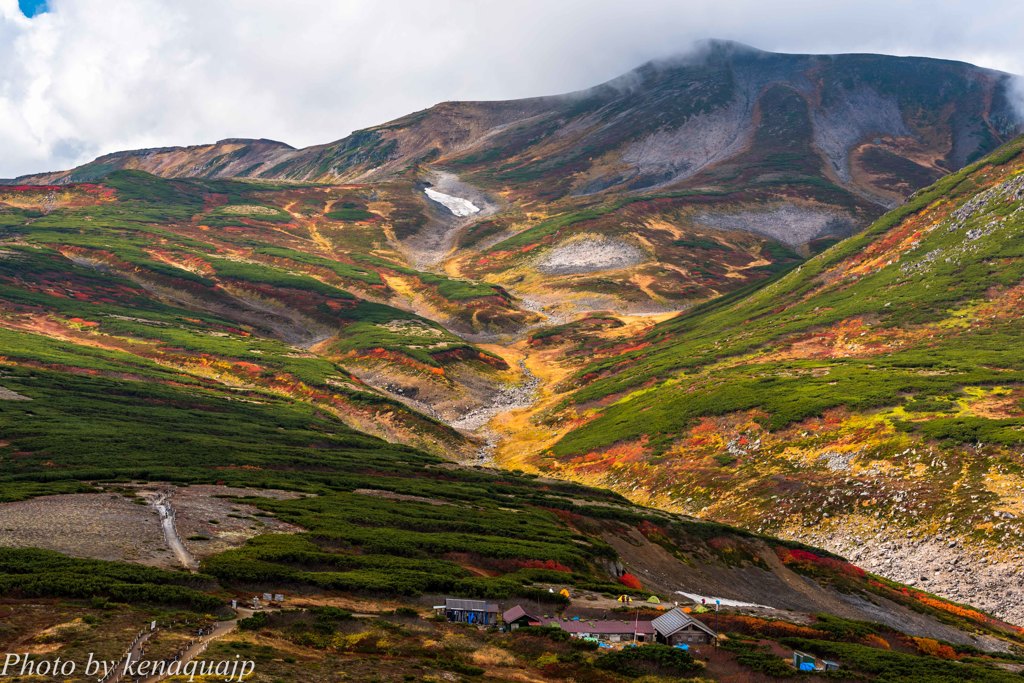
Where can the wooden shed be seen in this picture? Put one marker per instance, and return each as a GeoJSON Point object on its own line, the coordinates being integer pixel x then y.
{"type": "Point", "coordinates": [517, 617]}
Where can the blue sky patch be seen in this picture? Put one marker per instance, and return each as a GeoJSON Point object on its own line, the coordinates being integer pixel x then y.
{"type": "Point", "coordinates": [31, 8]}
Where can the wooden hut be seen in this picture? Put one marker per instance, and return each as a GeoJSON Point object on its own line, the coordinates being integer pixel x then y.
{"type": "Point", "coordinates": [517, 616]}
{"type": "Point", "coordinates": [676, 627]}
{"type": "Point", "coordinates": [639, 630]}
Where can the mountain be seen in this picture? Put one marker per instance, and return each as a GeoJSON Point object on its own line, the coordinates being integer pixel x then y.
{"type": "Point", "coordinates": [878, 127]}
{"type": "Point", "coordinates": [315, 356]}
{"type": "Point", "coordinates": [871, 400]}
{"type": "Point", "coordinates": [674, 183]}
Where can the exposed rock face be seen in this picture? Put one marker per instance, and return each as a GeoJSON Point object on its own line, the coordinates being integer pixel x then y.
{"type": "Point", "coordinates": [591, 253]}
{"type": "Point", "coordinates": [791, 224]}
{"type": "Point", "coordinates": [938, 564]}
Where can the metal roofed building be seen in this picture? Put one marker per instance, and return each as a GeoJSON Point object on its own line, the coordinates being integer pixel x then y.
{"type": "Point", "coordinates": [676, 626]}
{"type": "Point", "coordinates": [469, 611]}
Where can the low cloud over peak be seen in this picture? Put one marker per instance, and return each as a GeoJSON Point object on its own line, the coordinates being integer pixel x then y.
{"type": "Point", "coordinates": [88, 77]}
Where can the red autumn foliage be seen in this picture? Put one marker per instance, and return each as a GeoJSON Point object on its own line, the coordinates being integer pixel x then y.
{"type": "Point", "coordinates": [807, 558]}
{"type": "Point", "coordinates": [756, 626]}
{"type": "Point", "coordinates": [246, 366]}
{"type": "Point", "coordinates": [630, 581]}
{"type": "Point", "coordinates": [544, 564]}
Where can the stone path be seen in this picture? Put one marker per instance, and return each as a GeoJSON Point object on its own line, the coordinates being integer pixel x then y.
{"type": "Point", "coordinates": [174, 542]}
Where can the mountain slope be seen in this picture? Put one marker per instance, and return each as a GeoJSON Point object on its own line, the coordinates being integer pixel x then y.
{"type": "Point", "coordinates": [192, 339]}
{"type": "Point", "coordinates": [871, 400]}
{"type": "Point", "coordinates": [672, 184]}
{"type": "Point", "coordinates": [260, 325]}
{"type": "Point", "coordinates": [284, 290]}
{"type": "Point", "coordinates": [370, 523]}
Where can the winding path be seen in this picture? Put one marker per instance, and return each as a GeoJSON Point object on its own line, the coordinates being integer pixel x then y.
{"type": "Point", "coordinates": [174, 542]}
{"type": "Point", "coordinates": [220, 629]}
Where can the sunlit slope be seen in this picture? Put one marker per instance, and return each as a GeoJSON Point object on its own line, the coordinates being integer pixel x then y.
{"type": "Point", "coordinates": [881, 382]}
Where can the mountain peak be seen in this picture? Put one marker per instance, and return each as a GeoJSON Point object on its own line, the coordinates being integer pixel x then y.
{"type": "Point", "coordinates": [717, 48]}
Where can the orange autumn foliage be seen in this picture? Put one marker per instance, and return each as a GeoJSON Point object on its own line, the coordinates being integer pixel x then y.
{"type": "Point", "coordinates": [872, 640]}
{"type": "Point", "coordinates": [934, 648]}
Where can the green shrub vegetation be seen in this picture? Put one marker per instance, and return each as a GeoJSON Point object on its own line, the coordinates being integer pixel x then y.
{"type": "Point", "coordinates": [894, 667]}
{"type": "Point", "coordinates": [921, 288]}
{"type": "Point", "coordinates": [33, 573]}
{"type": "Point", "coordinates": [653, 659]}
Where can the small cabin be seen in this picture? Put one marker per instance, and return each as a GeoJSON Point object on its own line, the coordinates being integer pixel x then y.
{"type": "Point", "coordinates": [805, 662]}
{"type": "Point", "coordinates": [461, 611]}
{"type": "Point", "coordinates": [518, 617]}
{"type": "Point", "coordinates": [676, 627]}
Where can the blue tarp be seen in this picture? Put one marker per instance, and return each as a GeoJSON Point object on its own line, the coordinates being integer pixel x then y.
{"type": "Point", "coordinates": [806, 666]}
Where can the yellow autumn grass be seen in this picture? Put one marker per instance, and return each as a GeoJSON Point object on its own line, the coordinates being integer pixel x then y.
{"type": "Point", "coordinates": [492, 656]}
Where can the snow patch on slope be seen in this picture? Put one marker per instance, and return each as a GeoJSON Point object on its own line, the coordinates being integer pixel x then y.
{"type": "Point", "coordinates": [457, 205]}
{"type": "Point", "coordinates": [710, 600]}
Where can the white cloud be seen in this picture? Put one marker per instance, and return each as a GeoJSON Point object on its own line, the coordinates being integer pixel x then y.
{"type": "Point", "coordinates": [94, 76]}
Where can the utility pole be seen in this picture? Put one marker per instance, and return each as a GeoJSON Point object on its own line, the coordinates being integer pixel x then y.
{"type": "Point", "coordinates": [718, 604]}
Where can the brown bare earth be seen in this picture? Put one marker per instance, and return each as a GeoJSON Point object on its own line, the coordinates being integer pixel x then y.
{"type": "Point", "coordinates": [103, 526]}
{"type": "Point", "coordinates": [207, 511]}
{"type": "Point", "coordinates": [117, 525]}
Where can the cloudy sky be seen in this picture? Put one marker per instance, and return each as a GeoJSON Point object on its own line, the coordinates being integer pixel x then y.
{"type": "Point", "coordinates": [86, 77]}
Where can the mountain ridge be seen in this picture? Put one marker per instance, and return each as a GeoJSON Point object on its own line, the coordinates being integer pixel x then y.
{"type": "Point", "coordinates": [452, 130]}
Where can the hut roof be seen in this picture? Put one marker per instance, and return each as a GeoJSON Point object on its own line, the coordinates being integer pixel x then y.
{"type": "Point", "coordinates": [676, 620]}
{"type": "Point", "coordinates": [517, 612]}
{"type": "Point", "coordinates": [470, 605]}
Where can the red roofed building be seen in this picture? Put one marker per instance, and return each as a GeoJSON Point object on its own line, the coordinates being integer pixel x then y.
{"type": "Point", "coordinates": [611, 631]}
{"type": "Point", "coordinates": [517, 616]}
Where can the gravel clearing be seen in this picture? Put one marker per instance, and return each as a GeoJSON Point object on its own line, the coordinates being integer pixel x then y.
{"type": "Point", "coordinates": [790, 224]}
{"type": "Point", "coordinates": [589, 254]}
{"type": "Point", "coordinates": [102, 526]}
{"type": "Point", "coordinates": [115, 526]}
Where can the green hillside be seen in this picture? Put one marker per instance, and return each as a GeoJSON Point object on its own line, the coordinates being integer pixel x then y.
{"type": "Point", "coordinates": [881, 382]}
